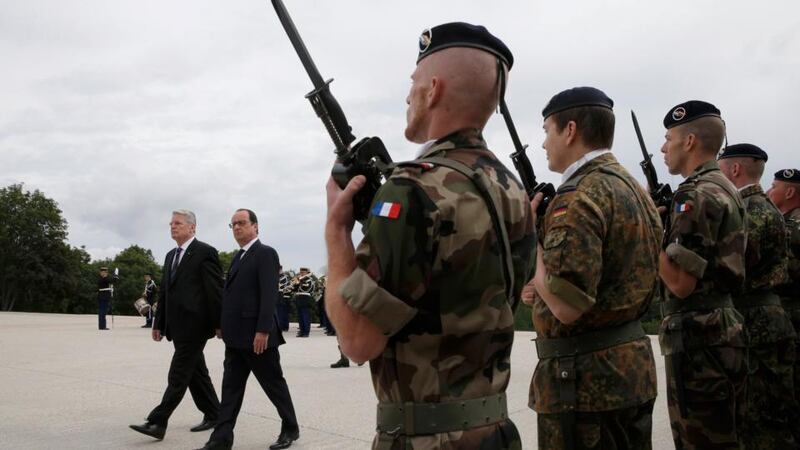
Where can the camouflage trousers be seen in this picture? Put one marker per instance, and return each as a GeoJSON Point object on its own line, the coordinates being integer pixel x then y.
{"type": "Point", "coordinates": [770, 403]}
{"type": "Point", "coordinates": [501, 436]}
{"type": "Point", "coordinates": [794, 314]}
{"type": "Point", "coordinates": [627, 428]}
{"type": "Point", "coordinates": [712, 397]}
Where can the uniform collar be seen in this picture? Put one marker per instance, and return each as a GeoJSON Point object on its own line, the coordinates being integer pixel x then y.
{"type": "Point", "coordinates": [574, 167]}
{"type": "Point", "coordinates": [707, 166]}
{"type": "Point", "coordinates": [466, 138]}
{"type": "Point", "coordinates": [751, 189]}
{"type": "Point", "coordinates": [793, 214]}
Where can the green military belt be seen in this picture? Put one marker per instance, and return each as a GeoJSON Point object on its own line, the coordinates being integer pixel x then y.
{"type": "Point", "coordinates": [411, 419]}
{"type": "Point", "coordinates": [763, 298]}
{"type": "Point", "coordinates": [697, 303]}
{"type": "Point", "coordinates": [589, 342]}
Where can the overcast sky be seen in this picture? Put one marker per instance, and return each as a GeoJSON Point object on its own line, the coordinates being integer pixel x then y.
{"type": "Point", "coordinates": [125, 110]}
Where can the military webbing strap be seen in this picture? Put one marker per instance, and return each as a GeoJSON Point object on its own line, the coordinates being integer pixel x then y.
{"type": "Point", "coordinates": [479, 180]}
{"type": "Point", "coordinates": [697, 303]}
{"type": "Point", "coordinates": [589, 342]}
{"type": "Point", "coordinates": [763, 298]}
{"type": "Point", "coordinates": [412, 419]}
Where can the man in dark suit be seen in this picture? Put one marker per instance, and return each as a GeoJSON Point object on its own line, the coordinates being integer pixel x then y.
{"type": "Point", "coordinates": [251, 334]}
{"type": "Point", "coordinates": [188, 314]}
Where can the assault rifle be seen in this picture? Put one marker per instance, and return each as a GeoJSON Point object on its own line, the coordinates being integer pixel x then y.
{"type": "Point", "coordinates": [660, 193]}
{"type": "Point", "coordinates": [368, 156]}
{"type": "Point", "coordinates": [524, 167]}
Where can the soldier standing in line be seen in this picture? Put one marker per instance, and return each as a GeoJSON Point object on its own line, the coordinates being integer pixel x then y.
{"type": "Point", "coordinates": [702, 262]}
{"type": "Point", "coordinates": [785, 194]}
{"type": "Point", "coordinates": [303, 296]}
{"type": "Point", "coordinates": [771, 337]}
{"type": "Point", "coordinates": [596, 275]}
{"type": "Point", "coordinates": [284, 302]}
{"type": "Point", "coordinates": [104, 292]}
{"type": "Point", "coordinates": [428, 296]}
{"type": "Point", "coordinates": [149, 295]}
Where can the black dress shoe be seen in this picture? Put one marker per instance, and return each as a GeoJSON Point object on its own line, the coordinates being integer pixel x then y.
{"type": "Point", "coordinates": [150, 429]}
{"type": "Point", "coordinates": [217, 445]}
{"type": "Point", "coordinates": [206, 424]}
{"type": "Point", "coordinates": [285, 439]}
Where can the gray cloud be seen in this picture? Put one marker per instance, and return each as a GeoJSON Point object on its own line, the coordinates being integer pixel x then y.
{"type": "Point", "coordinates": [123, 111]}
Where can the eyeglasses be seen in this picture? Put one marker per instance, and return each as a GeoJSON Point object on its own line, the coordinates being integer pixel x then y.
{"type": "Point", "coordinates": [239, 223]}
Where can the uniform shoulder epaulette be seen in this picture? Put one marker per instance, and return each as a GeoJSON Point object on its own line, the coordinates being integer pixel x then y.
{"type": "Point", "coordinates": [422, 165]}
{"type": "Point", "coordinates": [566, 189]}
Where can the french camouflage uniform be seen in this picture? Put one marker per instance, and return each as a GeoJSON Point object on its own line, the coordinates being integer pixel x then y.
{"type": "Point", "coordinates": [771, 346]}
{"type": "Point", "coordinates": [790, 296]}
{"type": "Point", "coordinates": [595, 383]}
{"type": "Point", "coordinates": [431, 275]}
{"type": "Point", "coordinates": [702, 336]}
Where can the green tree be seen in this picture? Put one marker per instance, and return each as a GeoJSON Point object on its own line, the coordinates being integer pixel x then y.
{"type": "Point", "coordinates": [35, 261]}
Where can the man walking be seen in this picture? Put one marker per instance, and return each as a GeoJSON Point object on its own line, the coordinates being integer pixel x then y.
{"type": "Point", "coordinates": [251, 334]}
{"type": "Point", "coordinates": [188, 315]}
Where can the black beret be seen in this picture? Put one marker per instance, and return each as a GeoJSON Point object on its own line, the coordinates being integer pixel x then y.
{"type": "Point", "coordinates": [790, 175]}
{"type": "Point", "coordinates": [461, 34]}
{"type": "Point", "coordinates": [737, 150]}
{"type": "Point", "coordinates": [575, 97]}
{"type": "Point", "coordinates": [689, 111]}
{"type": "Point", "coordinates": [104, 268]}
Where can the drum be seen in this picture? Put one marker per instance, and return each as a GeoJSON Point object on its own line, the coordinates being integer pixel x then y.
{"type": "Point", "coordinates": [142, 306]}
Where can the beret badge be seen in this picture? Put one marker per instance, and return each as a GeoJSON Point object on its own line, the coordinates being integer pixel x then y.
{"type": "Point", "coordinates": [788, 173]}
{"type": "Point", "coordinates": [425, 40]}
{"type": "Point", "coordinates": [678, 113]}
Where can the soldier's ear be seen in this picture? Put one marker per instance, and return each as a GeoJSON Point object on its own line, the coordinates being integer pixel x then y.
{"type": "Point", "coordinates": [791, 192]}
{"type": "Point", "coordinates": [434, 94]}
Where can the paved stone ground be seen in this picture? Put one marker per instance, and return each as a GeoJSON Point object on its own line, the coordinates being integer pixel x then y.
{"type": "Point", "coordinates": [66, 385]}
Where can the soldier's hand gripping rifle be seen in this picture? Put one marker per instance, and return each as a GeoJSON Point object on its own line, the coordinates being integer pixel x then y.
{"type": "Point", "coordinates": [524, 167]}
{"type": "Point", "coordinates": [660, 193]}
{"type": "Point", "coordinates": [368, 156]}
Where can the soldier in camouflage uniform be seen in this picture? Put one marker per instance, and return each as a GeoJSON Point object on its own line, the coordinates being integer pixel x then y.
{"type": "Point", "coordinates": [771, 337]}
{"type": "Point", "coordinates": [596, 274]}
{"type": "Point", "coordinates": [702, 336]}
{"type": "Point", "coordinates": [785, 194]}
{"type": "Point", "coordinates": [428, 295]}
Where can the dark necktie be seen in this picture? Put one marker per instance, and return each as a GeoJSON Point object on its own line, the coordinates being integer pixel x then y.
{"type": "Point", "coordinates": [236, 260]}
{"type": "Point", "coordinates": [175, 263]}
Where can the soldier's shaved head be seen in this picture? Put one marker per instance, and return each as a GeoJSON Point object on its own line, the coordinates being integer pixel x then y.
{"type": "Point", "coordinates": [453, 89]}
{"type": "Point", "coordinates": [742, 170]}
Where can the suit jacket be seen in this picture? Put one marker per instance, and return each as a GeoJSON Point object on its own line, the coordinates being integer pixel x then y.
{"type": "Point", "coordinates": [190, 303]}
{"type": "Point", "coordinates": [250, 296]}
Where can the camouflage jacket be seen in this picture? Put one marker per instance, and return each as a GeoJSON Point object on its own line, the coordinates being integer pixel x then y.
{"type": "Point", "coordinates": [600, 246]}
{"type": "Point", "coordinates": [706, 238]}
{"type": "Point", "coordinates": [765, 268]}
{"type": "Point", "coordinates": [765, 255]}
{"type": "Point", "coordinates": [429, 274]}
{"type": "Point", "coordinates": [791, 290]}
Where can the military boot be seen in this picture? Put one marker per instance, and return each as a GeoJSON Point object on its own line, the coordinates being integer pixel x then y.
{"type": "Point", "coordinates": [342, 362]}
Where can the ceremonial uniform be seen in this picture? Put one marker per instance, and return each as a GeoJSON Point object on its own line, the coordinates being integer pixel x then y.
{"type": "Point", "coordinates": [150, 289]}
{"type": "Point", "coordinates": [104, 292]}
{"type": "Point", "coordinates": [702, 336]}
{"type": "Point", "coordinates": [429, 274]}
{"type": "Point", "coordinates": [303, 297]}
{"type": "Point", "coordinates": [284, 302]}
{"type": "Point", "coordinates": [771, 337]}
{"type": "Point", "coordinates": [595, 383]}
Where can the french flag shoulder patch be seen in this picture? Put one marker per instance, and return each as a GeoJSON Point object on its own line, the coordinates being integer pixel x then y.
{"type": "Point", "coordinates": [558, 212]}
{"type": "Point", "coordinates": [386, 209]}
{"type": "Point", "coordinates": [683, 207]}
